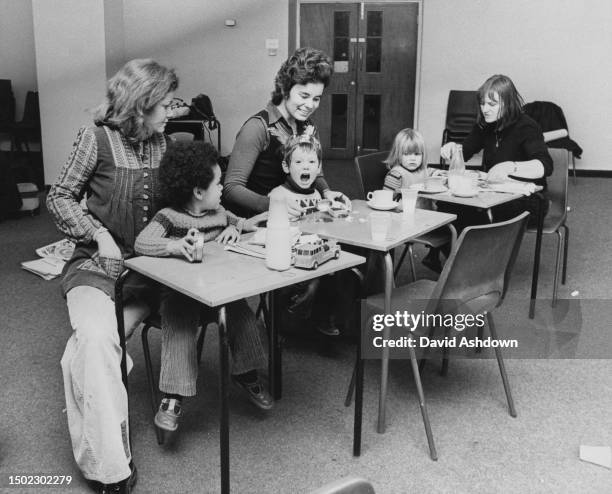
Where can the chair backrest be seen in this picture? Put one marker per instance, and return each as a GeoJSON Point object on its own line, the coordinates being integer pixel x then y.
{"type": "Point", "coordinates": [31, 109]}
{"type": "Point", "coordinates": [371, 172]}
{"type": "Point", "coordinates": [7, 101]}
{"type": "Point", "coordinates": [461, 111]}
{"type": "Point", "coordinates": [556, 184]}
{"type": "Point", "coordinates": [182, 136]}
{"type": "Point", "coordinates": [475, 277]}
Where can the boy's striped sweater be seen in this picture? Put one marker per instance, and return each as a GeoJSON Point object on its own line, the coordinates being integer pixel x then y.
{"type": "Point", "coordinates": [171, 224]}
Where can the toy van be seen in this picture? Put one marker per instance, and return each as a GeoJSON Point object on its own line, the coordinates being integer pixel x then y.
{"type": "Point", "coordinates": [312, 254]}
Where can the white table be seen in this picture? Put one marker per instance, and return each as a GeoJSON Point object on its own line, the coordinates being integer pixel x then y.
{"type": "Point", "coordinates": [221, 278]}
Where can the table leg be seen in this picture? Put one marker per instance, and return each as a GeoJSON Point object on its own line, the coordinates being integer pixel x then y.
{"type": "Point", "coordinates": [536, 259]}
{"type": "Point", "coordinates": [121, 324]}
{"type": "Point", "coordinates": [358, 374]}
{"type": "Point", "coordinates": [384, 370]}
{"type": "Point", "coordinates": [274, 349]}
{"type": "Point", "coordinates": [224, 408]}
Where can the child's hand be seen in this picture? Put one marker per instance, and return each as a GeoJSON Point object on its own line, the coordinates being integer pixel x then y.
{"type": "Point", "coordinates": [250, 225]}
{"type": "Point", "coordinates": [335, 196]}
{"type": "Point", "coordinates": [229, 235]}
{"type": "Point", "coordinates": [183, 246]}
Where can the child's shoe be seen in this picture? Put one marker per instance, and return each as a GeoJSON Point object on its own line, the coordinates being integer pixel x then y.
{"type": "Point", "coordinates": [328, 327]}
{"type": "Point", "coordinates": [167, 417]}
{"type": "Point", "coordinates": [254, 390]}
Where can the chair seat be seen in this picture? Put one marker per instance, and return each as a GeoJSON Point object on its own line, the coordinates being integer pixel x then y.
{"type": "Point", "coordinates": [412, 297]}
{"type": "Point", "coordinates": [552, 222]}
{"type": "Point", "coordinates": [436, 238]}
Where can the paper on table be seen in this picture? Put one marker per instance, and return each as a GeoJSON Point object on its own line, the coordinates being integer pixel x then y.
{"type": "Point", "coordinates": [599, 455]}
{"type": "Point", "coordinates": [525, 188]}
{"type": "Point", "coordinates": [253, 250]}
{"type": "Point", "coordinates": [259, 238]}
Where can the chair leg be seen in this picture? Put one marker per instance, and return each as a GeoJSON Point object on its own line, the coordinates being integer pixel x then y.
{"type": "Point", "coordinates": [151, 380]}
{"type": "Point", "coordinates": [560, 244]}
{"type": "Point", "coordinates": [349, 392]}
{"type": "Point", "coordinates": [502, 367]}
{"type": "Point", "coordinates": [417, 381]}
{"type": "Point", "coordinates": [412, 270]}
{"type": "Point", "coordinates": [200, 342]}
{"type": "Point", "coordinates": [480, 335]}
{"type": "Point", "coordinates": [398, 265]}
{"type": "Point", "coordinates": [574, 168]}
{"type": "Point", "coordinates": [565, 247]}
{"type": "Point", "coordinates": [445, 352]}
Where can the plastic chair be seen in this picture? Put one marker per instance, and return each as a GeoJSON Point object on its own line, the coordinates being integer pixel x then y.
{"type": "Point", "coordinates": [28, 128]}
{"type": "Point", "coordinates": [461, 113]}
{"type": "Point", "coordinates": [551, 118]}
{"type": "Point", "coordinates": [348, 485]}
{"type": "Point", "coordinates": [7, 109]}
{"type": "Point", "coordinates": [555, 220]}
{"type": "Point", "coordinates": [371, 172]}
{"type": "Point", "coordinates": [474, 281]}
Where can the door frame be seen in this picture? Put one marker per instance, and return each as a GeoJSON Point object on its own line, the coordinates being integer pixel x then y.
{"type": "Point", "coordinates": [294, 36]}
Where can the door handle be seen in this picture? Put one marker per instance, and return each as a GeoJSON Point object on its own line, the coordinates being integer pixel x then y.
{"type": "Point", "coordinates": [352, 83]}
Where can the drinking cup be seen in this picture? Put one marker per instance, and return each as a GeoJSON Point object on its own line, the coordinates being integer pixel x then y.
{"type": "Point", "coordinates": [379, 225]}
{"type": "Point", "coordinates": [409, 200]}
{"type": "Point", "coordinates": [382, 197]}
{"type": "Point", "coordinates": [460, 183]}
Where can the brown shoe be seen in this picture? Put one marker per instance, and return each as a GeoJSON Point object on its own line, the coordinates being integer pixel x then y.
{"type": "Point", "coordinates": [256, 393]}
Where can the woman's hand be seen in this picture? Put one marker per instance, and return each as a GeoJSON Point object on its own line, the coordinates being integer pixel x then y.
{"type": "Point", "coordinates": [500, 172]}
{"type": "Point", "coordinates": [448, 149]}
{"type": "Point", "coordinates": [229, 235]}
{"type": "Point", "coordinates": [334, 195]}
{"type": "Point", "coordinates": [183, 246]}
{"type": "Point", "coordinates": [107, 247]}
{"type": "Point", "coordinates": [250, 225]}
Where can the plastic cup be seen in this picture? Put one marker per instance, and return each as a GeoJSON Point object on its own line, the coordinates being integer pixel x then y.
{"type": "Point", "coordinates": [379, 225]}
{"type": "Point", "coordinates": [409, 200]}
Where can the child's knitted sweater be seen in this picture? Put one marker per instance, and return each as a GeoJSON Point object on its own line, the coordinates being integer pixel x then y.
{"type": "Point", "coordinates": [170, 224]}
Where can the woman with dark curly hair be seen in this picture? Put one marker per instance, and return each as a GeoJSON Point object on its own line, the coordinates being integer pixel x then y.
{"type": "Point", "coordinates": [190, 181]}
{"type": "Point", "coordinates": [255, 166]}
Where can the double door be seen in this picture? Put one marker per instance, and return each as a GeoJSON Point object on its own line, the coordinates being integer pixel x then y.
{"type": "Point", "coordinates": [372, 92]}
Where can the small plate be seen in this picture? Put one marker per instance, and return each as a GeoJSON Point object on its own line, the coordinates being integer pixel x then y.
{"type": "Point", "coordinates": [383, 207]}
{"type": "Point", "coordinates": [435, 190]}
{"type": "Point", "coordinates": [471, 193]}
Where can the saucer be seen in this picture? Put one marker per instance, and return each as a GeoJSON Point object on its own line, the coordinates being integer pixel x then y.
{"type": "Point", "coordinates": [383, 207]}
{"type": "Point", "coordinates": [467, 193]}
{"type": "Point", "coordinates": [434, 190]}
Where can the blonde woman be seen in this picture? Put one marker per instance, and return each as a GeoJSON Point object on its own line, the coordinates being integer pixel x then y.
{"type": "Point", "coordinates": [115, 164]}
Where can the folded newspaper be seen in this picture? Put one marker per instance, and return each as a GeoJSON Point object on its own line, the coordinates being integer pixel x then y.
{"type": "Point", "coordinates": [53, 257]}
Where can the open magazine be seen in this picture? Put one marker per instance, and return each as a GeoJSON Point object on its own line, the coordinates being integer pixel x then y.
{"type": "Point", "coordinates": [53, 257]}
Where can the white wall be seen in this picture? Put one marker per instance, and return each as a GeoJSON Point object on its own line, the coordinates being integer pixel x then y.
{"type": "Point", "coordinates": [554, 50]}
{"type": "Point", "coordinates": [230, 65]}
{"type": "Point", "coordinates": [71, 66]}
{"type": "Point", "coordinates": [17, 55]}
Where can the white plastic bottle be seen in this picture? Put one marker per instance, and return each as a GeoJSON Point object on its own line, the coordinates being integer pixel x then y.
{"type": "Point", "coordinates": [278, 234]}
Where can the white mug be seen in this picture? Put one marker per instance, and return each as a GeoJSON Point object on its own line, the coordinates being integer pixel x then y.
{"type": "Point", "coordinates": [382, 197]}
